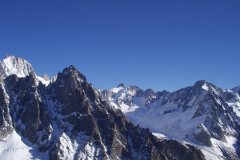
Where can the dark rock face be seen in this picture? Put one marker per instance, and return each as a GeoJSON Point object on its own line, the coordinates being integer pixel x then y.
{"type": "Point", "coordinates": [68, 117]}
{"type": "Point", "coordinates": [29, 114]}
{"type": "Point", "coordinates": [236, 90]}
{"type": "Point", "coordinates": [5, 118]}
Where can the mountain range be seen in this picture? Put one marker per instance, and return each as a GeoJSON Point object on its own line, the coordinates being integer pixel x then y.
{"type": "Point", "coordinates": [66, 118]}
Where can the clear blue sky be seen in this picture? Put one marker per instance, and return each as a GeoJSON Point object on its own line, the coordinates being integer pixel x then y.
{"type": "Point", "coordinates": [159, 44]}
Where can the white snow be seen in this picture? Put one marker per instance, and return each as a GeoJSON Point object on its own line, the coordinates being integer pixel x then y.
{"type": "Point", "coordinates": [116, 90]}
{"type": "Point", "coordinates": [67, 147]}
{"type": "Point", "coordinates": [14, 147]}
{"type": "Point", "coordinates": [43, 81]}
{"type": "Point", "coordinates": [205, 87]}
{"type": "Point", "coordinates": [236, 108]}
{"type": "Point", "coordinates": [124, 107]}
{"type": "Point", "coordinates": [88, 152]}
{"type": "Point", "coordinates": [235, 105]}
{"type": "Point", "coordinates": [174, 121]}
{"type": "Point", "coordinates": [159, 135]}
{"type": "Point", "coordinates": [215, 152]}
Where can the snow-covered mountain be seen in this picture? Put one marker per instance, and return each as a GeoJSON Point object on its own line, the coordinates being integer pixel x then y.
{"type": "Point", "coordinates": [67, 119]}
{"type": "Point", "coordinates": [202, 115]}
{"type": "Point", "coordinates": [13, 65]}
{"type": "Point", "coordinates": [19, 67]}
{"type": "Point", "coordinates": [236, 89]}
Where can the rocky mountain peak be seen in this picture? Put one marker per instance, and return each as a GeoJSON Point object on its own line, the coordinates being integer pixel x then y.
{"type": "Point", "coordinates": [121, 85]}
{"type": "Point", "coordinates": [195, 93]}
{"type": "Point", "coordinates": [72, 72]}
{"type": "Point", "coordinates": [236, 89]}
{"type": "Point", "coordinates": [69, 78]}
{"type": "Point", "coordinates": [203, 84]}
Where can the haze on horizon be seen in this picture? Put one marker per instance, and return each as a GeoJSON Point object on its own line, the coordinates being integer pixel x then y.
{"type": "Point", "coordinates": [152, 44]}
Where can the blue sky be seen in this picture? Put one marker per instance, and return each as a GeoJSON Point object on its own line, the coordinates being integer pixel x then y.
{"type": "Point", "coordinates": [159, 44]}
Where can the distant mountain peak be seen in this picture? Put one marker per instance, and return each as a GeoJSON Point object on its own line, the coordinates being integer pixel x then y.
{"type": "Point", "coordinates": [203, 84]}
{"type": "Point", "coordinates": [121, 85]}
{"type": "Point", "coordinates": [11, 58]}
{"type": "Point", "coordinates": [236, 89]}
{"type": "Point", "coordinates": [70, 69]}
{"type": "Point", "coordinates": [20, 67]}
{"type": "Point", "coordinates": [15, 65]}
